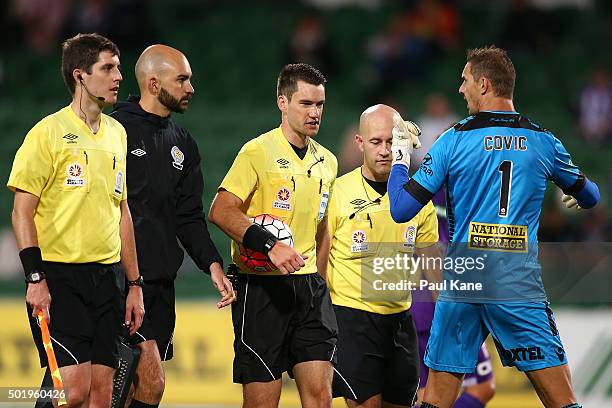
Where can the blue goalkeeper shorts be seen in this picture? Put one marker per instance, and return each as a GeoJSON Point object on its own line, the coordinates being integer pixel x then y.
{"type": "Point", "coordinates": [524, 333]}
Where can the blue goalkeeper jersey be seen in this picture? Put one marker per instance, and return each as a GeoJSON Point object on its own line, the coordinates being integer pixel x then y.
{"type": "Point", "coordinates": [495, 166]}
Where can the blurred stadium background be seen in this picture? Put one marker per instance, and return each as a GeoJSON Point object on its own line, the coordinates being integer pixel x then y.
{"type": "Point", "coordinates": [405, 53]}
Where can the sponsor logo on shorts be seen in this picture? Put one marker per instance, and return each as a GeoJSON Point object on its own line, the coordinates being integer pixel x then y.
{"type": "Point", "coordinates": [75, 175]}
{"type": "Point", "coordinates": [523, 354]}
{"type": "Point", "coordinates": [498, 237]}
{"type": "Point", "coordinates": [360, 241]}
{"type": "Point", "coordinates": [282, 203]}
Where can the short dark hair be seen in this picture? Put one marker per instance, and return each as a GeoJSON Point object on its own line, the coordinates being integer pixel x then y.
{"type": "Point", "coordinates": [494, 64]}
{"type": "Point", "coordinates": [292, 73]}
{"type": "Point", "coordinates": [82, 51]}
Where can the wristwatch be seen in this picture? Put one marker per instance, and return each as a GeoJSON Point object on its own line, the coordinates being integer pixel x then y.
{"type": "Point", "coordinates": [136, 282]}
{"type": "Point", "coordinates": [269, 244]}
{"type": "Point", "coordinates": [35, 277]}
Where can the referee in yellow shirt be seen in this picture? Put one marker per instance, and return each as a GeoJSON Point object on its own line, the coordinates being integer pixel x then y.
{"type": "Point", "coordinates": [378, 357]}
{"type": "Point", "coordinates": [73, 225]}
{"type": "Point", "coordinates": [283, 323]}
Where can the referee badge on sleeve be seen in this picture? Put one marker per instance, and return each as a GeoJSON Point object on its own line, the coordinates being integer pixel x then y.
{"type": "Point", "coordinates": [410, 237]}
{"type": "Point", "coordinates": [323, 205]}
{"type": "Point", "coordinates": [119, 183]}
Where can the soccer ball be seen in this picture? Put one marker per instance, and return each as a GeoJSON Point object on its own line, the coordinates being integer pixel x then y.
{"type": "Point", "coordinates": [257, 261]}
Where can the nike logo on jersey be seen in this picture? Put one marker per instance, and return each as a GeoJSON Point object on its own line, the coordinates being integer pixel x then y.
{"type": "Point", "coordinates": [138, 152]}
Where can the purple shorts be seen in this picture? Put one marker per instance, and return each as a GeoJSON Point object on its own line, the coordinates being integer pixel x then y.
{"type": "Point", "coordinates": [422, 311]}
{"type": "Point", "coordinates": [484, 369]}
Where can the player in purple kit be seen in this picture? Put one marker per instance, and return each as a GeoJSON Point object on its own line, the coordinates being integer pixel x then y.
{"type": "Point", "coordinates": [478, 387]}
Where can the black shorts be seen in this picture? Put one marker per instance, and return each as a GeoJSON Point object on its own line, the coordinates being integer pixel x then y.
{"type": "Point", "coordinates": [280, 321]}
{"type": "Point", "coordinates": [377, 354]}
{"type": "Point", "coordinates": [160, 317]}
{"type": "Point", "coordinates": [87, 311]}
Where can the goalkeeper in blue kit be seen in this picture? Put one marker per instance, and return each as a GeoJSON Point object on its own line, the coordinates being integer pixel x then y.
{"type": "Point", "coordinates": [495, 165]}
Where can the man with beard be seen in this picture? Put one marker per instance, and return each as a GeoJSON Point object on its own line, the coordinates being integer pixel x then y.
{"type": "Point", "coordinates": [165, 195]}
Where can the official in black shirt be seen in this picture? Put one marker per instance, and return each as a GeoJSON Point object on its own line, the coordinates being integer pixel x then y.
{"type": "Point", "coordinates": [165, 185]}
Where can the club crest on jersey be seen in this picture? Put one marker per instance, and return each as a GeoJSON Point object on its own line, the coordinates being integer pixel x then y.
{"type": "Point", "coordinates": [178, 157]}
{"type": "Point", "coordinates": [359, 241]}
{"type": "Point", "coordinates": [282, 199]}
{"type": "Point", "coordinates": [409, 237]}
{"type": "Point", "coordinates": [75, 175]}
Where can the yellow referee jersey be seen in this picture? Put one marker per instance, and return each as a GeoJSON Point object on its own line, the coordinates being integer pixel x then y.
{"type": "Point", "coordinates": [270, 178]}
{"type": "Point", "coordinates": [362, 230]}
{"type": "Point", "coordinates": [79, 178]}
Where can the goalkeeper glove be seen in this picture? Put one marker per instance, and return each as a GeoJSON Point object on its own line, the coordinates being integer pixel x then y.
{"type": "Point", "coordinates": [570, 202]}
{"type": "Point", "coordinates": [405, 140]}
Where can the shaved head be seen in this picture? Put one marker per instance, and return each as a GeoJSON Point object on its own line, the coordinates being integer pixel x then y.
{"type": "Point", "coordinates": [374, 140]}
{"type": "Point", "coordinates": [376, 117]}
{"type": "Point", "coordinates": [157, 60]}
{"type": "Point", "coordinates": [164, 78]}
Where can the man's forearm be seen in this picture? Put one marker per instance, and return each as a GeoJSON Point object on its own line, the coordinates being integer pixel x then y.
{"type": "Point", "coordinates": [129, 259]}
{"type": "Point", "coordinates": [323, 246]}
{"type": "Point", "coordinates": [226, 214]}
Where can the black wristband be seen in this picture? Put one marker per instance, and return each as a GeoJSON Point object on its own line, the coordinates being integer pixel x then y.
{"type": "Point", "coordinates": [256, 238]}
{"type": "Point", "coordinates": [31, 259]}
{"type": "Point", "coordinates": [139, 281]}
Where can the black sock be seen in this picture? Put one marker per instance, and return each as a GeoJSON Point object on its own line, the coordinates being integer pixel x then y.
{"type": "Point", "coordinates": [138, 404]}
{"type": "Point", "coordinates": [427, 405]}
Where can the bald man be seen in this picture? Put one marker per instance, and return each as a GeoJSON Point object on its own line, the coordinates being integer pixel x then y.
{"type": "Point", "coordinates": [164, 182]}
{"type": "Point", "coordinates": [377, 345]}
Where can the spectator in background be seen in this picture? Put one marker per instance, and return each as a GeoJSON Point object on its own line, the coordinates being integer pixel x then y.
{"type": "Point", "coordinates": [349, 156]}
{"type": "Point", "coordinates": [127, 21]}
{"type": "Point", "coordinates": [42, 22]}
{"type": "Point", "coordinates": [126, 15]}
{"type": "Point", "coordinates": [555, 226]}
{"type": "Point", "coordinates": [91, 15]}
{"type": "Point", "coordinates": [527, 28]}
{"type": "Point", "coordinates": [436, 119]}
{"type": "Point", "coordinates": [595, 113]}
{"type": "Point", "coordinates": [309, 44]}
{"type": "Point", "coordinates": [409, 43]}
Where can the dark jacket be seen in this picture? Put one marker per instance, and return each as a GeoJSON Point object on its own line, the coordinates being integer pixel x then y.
{"type": "Point", "coordinates": [164, 183]}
